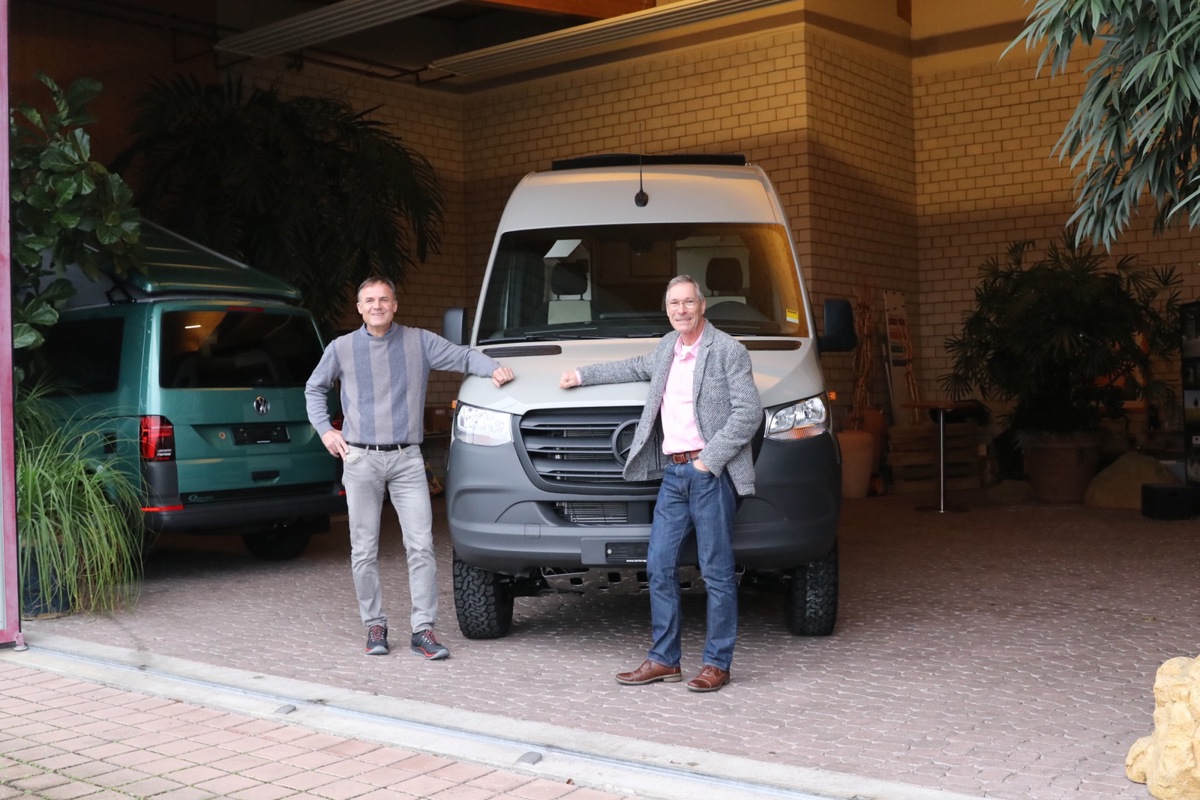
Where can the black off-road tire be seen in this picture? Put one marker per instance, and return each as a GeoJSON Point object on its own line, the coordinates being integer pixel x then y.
{"type": "Point", "coordinates": [811, 598]}
{"type": "Point", "coordinates": [483, 602]}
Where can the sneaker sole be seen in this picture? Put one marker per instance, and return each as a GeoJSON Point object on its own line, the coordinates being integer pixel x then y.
{"type": "Point", "coordinates": [662, 679]}
{"type": "Point", "coordinates": [377, 651]}
{"type": "Point", "coordinates": [428, 656]}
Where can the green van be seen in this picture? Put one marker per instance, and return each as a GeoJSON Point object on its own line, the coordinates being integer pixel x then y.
{"type": "Point", "coordinates": [196, 369]}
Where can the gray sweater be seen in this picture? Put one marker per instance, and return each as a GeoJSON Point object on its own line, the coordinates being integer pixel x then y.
{"type": "Point", "coordinates": [383, 382]}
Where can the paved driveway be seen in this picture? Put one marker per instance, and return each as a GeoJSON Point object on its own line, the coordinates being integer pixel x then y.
{"type": "Point", "coordinates": [1006, 652]}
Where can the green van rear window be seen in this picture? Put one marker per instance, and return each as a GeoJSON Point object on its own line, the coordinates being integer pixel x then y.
{"type": "Point", "coordinates": [236, 348]}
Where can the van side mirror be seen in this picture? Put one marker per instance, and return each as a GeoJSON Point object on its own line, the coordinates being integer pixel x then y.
{"type": "Point", "coordinates": [839, 336]}
{"type": "Point", "coordinates": [454, 325]}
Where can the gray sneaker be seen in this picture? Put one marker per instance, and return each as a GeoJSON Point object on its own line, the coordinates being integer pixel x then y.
{"type": "Point", "coordinates": [377, 640]}
{"type": "Point", "coordinates": [425, 645]}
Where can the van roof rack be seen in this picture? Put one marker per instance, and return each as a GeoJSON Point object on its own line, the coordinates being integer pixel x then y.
{"type": "Point", "coordinates": [633, 160]}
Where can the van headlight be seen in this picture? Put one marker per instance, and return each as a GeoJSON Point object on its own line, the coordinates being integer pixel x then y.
{"type": "Point", "coordinates": [799, 420]}
{"type": "Point", "coordinates": [482, 426]}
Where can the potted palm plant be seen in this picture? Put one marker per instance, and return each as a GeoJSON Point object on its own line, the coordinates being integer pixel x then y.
{"type": "Point", "coordinates": [80, 538]}
{"type": "Point", "coordinates": [1065, 341]}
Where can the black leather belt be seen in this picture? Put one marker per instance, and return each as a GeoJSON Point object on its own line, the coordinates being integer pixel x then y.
{"type": "Point", "coordinates": [685, 456]}
{"type": "Point", "coordinates": [383, 448]}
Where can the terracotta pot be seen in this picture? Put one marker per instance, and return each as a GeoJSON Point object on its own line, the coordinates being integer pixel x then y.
{"type": "Point", "coordinates": [873, 421]}
{"type": "Point", "coordinates": [856, 447]}
{"type": "Point", "coordinates": [1060, 465]}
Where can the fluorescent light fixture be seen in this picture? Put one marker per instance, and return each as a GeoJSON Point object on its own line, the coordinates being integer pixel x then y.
{"type": "Point", "coordinates": [323, 24]}
{"type": "Point", "coordinates": [614, 29]}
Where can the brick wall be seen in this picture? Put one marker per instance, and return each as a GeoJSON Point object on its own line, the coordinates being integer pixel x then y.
{"type": "Point", "coordinates": [986, 177]}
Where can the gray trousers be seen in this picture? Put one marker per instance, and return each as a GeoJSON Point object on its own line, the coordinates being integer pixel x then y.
{"type": "Point", "coordinates": [368, 476]}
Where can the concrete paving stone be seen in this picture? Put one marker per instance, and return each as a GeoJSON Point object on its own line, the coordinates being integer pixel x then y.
{"type": "Point", "coordinates": [70, 791]}
{"type": "Point", "coordinates": [195, 775]}
{"type": "Point", "coordinates": [342, 789]}
{"type": "Point", "coordinates": [88, 770]}
{"type": "Point", "coordinates": [177, 747]}
{"type": "Point", "coordinates": [346, 768]}
{"type": "Point", "coordinates": [271, 771]}
{"type": "Point", "coordinates": [33, 752]}
{"type": "Point", "coordinates": [58, 762]}
{"type": "Point", "coordinates": [384, 794]}
{"type": "Point", "coordinates": [306, 780]}
{"type": "Point", "coordinates": [386, 756]}
{"type": "Point", "coordinates": [541, 789]}
{"type": "Point", "coordinates": [118, 778]}
{"type": "Point", "coordinates": [185, 793]}
{"type": "Point", "coordinates": [265, 792]}
{"type": "Point", "coordinates": [39, 781]}
{"type": "Point", "coordinates": [351, 748]}
{"type": "Point", "coordinates": [225, 785]}
{"type": "Point", "coordinates": [151, 786]}
{"type": "Point", "coordinates": [163, 765]}
{"type": "Point", "coordinates": [462, 792]}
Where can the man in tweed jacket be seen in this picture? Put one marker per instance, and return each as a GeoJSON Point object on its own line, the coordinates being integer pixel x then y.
{"type": "Point", "coordinates": [702, 412]}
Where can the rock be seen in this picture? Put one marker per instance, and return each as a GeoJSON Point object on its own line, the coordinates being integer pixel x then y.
{"type": "Point", "coordinates": [1119, 485]}
{"type": "Point", "coordinates": [1168, 761]}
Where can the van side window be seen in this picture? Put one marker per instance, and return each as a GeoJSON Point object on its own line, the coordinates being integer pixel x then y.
{"type": "Point", "coordinates": [83, 356]}
{"type": "Point", "coordinates": [236, 348]}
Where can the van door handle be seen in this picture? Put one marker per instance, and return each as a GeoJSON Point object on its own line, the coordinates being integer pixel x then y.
{"type": "Point", "coordinates": [265, 475]}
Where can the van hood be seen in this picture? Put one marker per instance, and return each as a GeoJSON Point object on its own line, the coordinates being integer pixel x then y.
{"type": "Point", "coordinates": [781, 377]}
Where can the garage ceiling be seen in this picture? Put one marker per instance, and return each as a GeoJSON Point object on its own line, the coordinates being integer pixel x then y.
{"type": "Point", "coordinates": [460, 42]}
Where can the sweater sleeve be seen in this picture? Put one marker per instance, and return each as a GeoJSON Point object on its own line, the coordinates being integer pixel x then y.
{"type": "Point", "coordinates": [445, 355]}
{"type": "Point", "coordinates": [316, 390]}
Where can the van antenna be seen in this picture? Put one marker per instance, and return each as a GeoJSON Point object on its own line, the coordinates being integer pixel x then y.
{"type": "Point", "coordinates": [641, 198]}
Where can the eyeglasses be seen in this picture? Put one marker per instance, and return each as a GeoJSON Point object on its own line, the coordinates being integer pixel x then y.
{"type": "Point", "coordinates": [689, 304]}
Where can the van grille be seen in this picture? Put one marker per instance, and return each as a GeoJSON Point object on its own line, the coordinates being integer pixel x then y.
{"type": "Point", "coordinates": [579, 446]}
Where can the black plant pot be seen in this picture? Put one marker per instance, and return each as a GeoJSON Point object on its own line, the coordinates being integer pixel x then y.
{"type": "Point", "coordinates": [40, 601]}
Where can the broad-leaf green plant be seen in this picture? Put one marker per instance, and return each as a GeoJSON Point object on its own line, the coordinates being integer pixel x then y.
{"type": "Point", "coordinates": [77, 516]}
{"type": "Point", "coordinates": [1068, 338]}
{"type": "Point", "coordinates": [66, 209]}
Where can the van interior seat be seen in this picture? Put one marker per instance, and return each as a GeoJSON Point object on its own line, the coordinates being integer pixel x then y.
{"type": "Point", "coordinates": [568, 278]}
{"type": "Point", "coordinates": [724, 280]}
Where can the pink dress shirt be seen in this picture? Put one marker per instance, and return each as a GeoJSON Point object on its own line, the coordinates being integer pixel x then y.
{"type": "Point", "coordinates": [680, 433]}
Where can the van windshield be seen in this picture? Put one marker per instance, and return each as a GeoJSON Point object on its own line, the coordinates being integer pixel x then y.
{"type": "Point", "coordinates": [609, 281]}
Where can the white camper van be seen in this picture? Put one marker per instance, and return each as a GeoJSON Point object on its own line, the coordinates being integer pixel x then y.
{"type": "Point", "coordinates": [535, 498]}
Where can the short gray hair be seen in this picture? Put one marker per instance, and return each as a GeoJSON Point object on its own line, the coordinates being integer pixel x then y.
{"type": "Point", "coordinates": [388, 282]}
{"type": "Point", "coordinates": [678, 279]}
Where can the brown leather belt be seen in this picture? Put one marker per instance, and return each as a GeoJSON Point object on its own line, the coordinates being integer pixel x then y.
{"type": "Point", "coordinates": [684, 457]}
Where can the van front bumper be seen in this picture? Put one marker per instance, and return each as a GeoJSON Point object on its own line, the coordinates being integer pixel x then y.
{"type": "Point", "coordinates": [502, 522]}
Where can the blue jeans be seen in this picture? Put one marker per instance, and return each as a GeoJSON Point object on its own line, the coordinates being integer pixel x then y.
{"type": "Point", "coordinates": [693, 501]}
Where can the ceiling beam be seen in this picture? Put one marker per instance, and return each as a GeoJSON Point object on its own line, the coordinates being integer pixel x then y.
{"type": "Point", "coordinates": [592, 9]}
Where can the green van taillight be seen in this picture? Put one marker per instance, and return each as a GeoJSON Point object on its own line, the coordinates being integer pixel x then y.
{"type": "Point", "coordinates": [157, 437]}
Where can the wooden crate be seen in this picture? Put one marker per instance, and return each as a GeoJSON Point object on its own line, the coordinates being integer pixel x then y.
{"type": "Point", "coordinates": [913, 457]}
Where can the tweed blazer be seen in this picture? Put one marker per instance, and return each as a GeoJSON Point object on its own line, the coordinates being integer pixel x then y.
{"type": "Point", "coordinates": [726, 401]}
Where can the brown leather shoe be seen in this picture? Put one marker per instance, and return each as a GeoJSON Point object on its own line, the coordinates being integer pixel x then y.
{"type": "Point", "coordinates": [650, 672]}
{"type": "Point", "coordinates": [709, 680]}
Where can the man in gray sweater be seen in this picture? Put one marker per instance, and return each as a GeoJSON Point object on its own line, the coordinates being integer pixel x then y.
{"type": "Point", "coordinates": [701, 415]}
{"type": "Point", "coordinates": [383, 369]}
